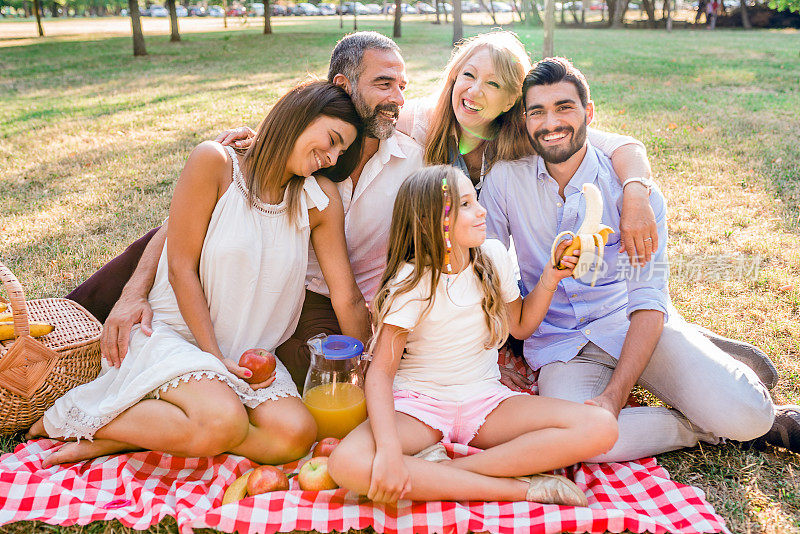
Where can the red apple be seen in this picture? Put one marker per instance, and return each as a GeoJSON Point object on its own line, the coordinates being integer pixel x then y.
{"type": "Point", "coordinates": [260, 361]}
{"type": "Point", "coordinates": [314, 475]}
{"type": "Point", "coordinates": [266, 478]}
{"type": "Point", "coordinates": [325, 447]}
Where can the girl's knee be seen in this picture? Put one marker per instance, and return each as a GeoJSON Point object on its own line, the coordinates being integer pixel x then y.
{"type": "Point", "coordinates": [350, 466]}
{"type": "Point", "coordinates": [601, 427]}
{"type": "Point", "coordinates": [291, 428]}
{"type": "Point", "coordinates": [216, 433]}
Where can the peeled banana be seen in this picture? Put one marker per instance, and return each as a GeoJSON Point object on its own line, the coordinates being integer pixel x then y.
{"type": "Point", "coordinates": [237, 490]}
{"type": "Point", "coordinates": [37, 330]}
{"type": "Point", "coordinates": [591, 237]}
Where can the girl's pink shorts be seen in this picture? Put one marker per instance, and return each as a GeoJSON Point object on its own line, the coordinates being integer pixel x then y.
{"type": "Point", "coordinates": [458, 422]}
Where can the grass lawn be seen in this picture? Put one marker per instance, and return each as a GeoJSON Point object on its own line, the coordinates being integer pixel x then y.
{"type": "Point", "coordinates": [92, 140]}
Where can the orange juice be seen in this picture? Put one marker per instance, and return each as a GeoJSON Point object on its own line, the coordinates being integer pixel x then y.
{"type": "Point", "coordinates": [337, 408]}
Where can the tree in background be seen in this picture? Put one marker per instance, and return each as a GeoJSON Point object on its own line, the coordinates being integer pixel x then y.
{"type": "Point", "coordinates": [548, 47]}
{"type": "Point", "coordinates": [37, 8]}
{"type": "Point", "coordinates": [398, 12]}
{"type": "Point", "coordinates": [136, 26]}
{"type": "Point", "coordinates": [458, 25]}
{"type": "Point", "coordinates": [267, 19]}
{"type": "Point", "coordinates": [174, 34]}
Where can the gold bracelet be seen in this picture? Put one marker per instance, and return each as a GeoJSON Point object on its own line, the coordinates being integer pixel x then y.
{"type": "Point", "coordinates": [545, 287]}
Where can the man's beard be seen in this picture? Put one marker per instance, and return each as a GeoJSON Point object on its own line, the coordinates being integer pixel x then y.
{"type": "Point", "coordinates": [559, 154]}
{"type": "Point", "coordinates": [375, 124]}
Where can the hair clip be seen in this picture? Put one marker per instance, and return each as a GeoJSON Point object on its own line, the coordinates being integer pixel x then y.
{"type": "Point", "coordinates": [448, 246]}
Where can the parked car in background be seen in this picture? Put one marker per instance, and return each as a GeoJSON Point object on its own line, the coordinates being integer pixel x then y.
{"type": "Point", "coordinates": [470, 7]}
{"type": "Point", "coordinates": [373, 9]}
{"type": "Point", "coordinates": [500, 7]}
{"type": "Point", "coordinates": [304, 8]}
{"type": "Point", "coordinates": [215, 11]}
{"type": "Point", "coordinates": [326, 9]}
{"type": "Point", "coordinates": [347, 8]}
{"type": "Point", "coordinates": [236, 11]}
{"type": "Point", "coordinates": [181, 11]}
{"type": "Point", "coordinates": [277, 10]}
{"type": "Point", "coordinates": [424, 8]}
{"type": "Point", "coordinates": [197, 11]}
{"type": "Point", "coordinates": [158, 11]}
{"type": "Point", "coordinates": [256, 9]}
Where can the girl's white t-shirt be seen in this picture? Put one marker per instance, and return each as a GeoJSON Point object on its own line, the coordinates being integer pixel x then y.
{"type": "Point", "coordinates": [445, 357]}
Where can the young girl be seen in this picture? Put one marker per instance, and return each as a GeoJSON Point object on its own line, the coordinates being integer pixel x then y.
{"type": "Point", "coordinates": [434, 374]}
{"type": "Point", "coordinates": [230, 278]}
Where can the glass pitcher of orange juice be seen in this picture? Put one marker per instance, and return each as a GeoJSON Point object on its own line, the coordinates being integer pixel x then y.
{"type": "Point", "coordinates": [334, 387]}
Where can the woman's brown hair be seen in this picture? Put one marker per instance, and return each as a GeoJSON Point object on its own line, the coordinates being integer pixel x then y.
{"type": "Point", "coordinates": [416, 237]}
{"type": "Point", "coordinates": [508, 139]}
{"type": "Point", "coordinates": [265, 161]}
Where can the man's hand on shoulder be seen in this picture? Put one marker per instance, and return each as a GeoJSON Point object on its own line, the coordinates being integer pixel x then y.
{"type": "Point", "coordinates": [241, 137]}
{"type": "Point", "coordinates": [638, 228]}
{"type": "Point", "coordinates": [129, 310]}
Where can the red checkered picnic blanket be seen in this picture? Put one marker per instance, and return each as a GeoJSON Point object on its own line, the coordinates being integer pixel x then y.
{"type": "Point", "coordinates": [140, 489]}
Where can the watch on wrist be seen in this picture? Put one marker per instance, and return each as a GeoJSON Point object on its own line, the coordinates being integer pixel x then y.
{"type": "Point", "coordinates": [647, 182]}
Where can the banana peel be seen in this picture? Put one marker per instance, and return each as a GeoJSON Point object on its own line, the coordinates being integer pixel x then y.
{"type": "Point", "coordinates": [237, 490]}
{"type": "Point", "coordinates": [590, 239]}
{"type": "Point", "coordinates": [37, 330]}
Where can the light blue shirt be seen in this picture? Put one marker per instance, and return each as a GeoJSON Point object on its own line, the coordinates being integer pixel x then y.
{"type": "Point", "coordinates": [523, 202]}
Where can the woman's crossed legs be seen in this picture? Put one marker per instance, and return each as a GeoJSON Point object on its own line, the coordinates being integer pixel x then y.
{"type": "Point", "coordinates": [524, 435]}
{"type": "Point", "coordinates": [198, 418]}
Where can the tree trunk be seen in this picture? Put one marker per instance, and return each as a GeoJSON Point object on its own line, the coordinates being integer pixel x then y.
{"type": "Point", "coordinates": [535, 17]}
{"type": "Point", "coordinates": [174, 35]}
{"type": "Point", "coordinates": [515, 9]}
{"type": "Point", "coordinates": [37, 9]}
{"type": "Point", "coordinates": [620, 8]}
{"type": "Point", "coordinates": [650, 8]}
{"type": "Point", "coordinates": [355, 17]}
{"type": "Point", "coordinates": [490, 9]}
{"type": "Point", "coordinates": [458, 26]}
{"type": "Point", "coordinates": [398, 12]}
{"type": "Point", "coordinates": [745, 17]}
{"type": "Point", "coordinates": [341, 13]}
{"type": "Point", "coordinates": [583, 13]}
{"type": "Point", "coordinates": [548, 48]}
{"type": "Point", "coordinates": [494, 18]}
{"type": "Point", "coordinates": [136, 26]}
{"type": "Point", "coordinates": [437, 21]}
{"type": "Point", "coordinates": [225, 13]}
{"type": "Point", "coordinates": [267, 18]}
{"type": "Point", "coordinates": [563, 15]}
{"type": "Point", "coordinates": [669, 14]}
{"type": "Point", "coordinates": [55, 9]}
{"type": "Point", "coordinates": [574, 12]}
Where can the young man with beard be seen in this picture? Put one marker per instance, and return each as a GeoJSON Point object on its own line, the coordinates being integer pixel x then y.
{"type": "Point", "coordinates": [597, 342]}
{"type": "Point", "coordinates": [370, 68]}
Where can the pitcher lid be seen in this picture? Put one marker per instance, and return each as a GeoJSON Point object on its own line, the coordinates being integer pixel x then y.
{"type": "Point", "coordinates": [340, 347]}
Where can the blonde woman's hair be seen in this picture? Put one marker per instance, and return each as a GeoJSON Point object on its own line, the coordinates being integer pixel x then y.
{"type": "Point", "coordinates": [508, 136]}
{"type": "Point", "coordinates": [416, 237]}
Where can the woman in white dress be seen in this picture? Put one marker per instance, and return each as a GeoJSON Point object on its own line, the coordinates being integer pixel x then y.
{"type": "Point", "coordinates": [231, 278]}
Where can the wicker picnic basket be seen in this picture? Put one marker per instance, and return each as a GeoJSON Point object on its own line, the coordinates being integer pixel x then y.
{"type": "Point", "coordinates": [36, 372]}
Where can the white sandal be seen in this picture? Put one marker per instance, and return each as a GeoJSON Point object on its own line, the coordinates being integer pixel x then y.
{"type": "Point", "coordinates": [553, 489]}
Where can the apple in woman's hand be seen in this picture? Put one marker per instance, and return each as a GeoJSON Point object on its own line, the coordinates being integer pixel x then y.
{"type": "Point", "coordinates": [325, 447]}
{"type": "Point", "coordinates": [261, 362]}
{"type": "Point", "coordinates": [266, 478]}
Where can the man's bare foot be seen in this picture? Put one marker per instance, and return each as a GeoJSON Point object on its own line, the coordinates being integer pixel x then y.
{"type": "Point", "coordinates": [85, 450]}
{"type": "Point", "coordinates": [36, 430]}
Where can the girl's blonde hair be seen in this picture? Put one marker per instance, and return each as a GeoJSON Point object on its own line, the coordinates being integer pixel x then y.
{"type": "Point", "coordinates": [508, 139]}
{"type": "Point", "coordinates": [416, 237]}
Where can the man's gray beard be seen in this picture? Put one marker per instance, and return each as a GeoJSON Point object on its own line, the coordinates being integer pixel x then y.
{"type": "Point", "coordinates": [374, 126]}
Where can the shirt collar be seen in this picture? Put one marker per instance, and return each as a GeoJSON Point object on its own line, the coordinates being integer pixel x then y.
{"type": "Point", "coordinates": [390, 147]}
{"type": "Point", "coordinates": [587, 172]}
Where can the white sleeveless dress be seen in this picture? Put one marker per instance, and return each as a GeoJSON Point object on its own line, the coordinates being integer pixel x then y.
{"type": "Point", "coordinates": [252, 269]}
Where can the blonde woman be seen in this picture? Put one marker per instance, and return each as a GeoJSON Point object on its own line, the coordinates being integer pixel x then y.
{"type": "Point", "coordinates": [447, 300]}
{"type": "Point", "coordinates": [476, 119]}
